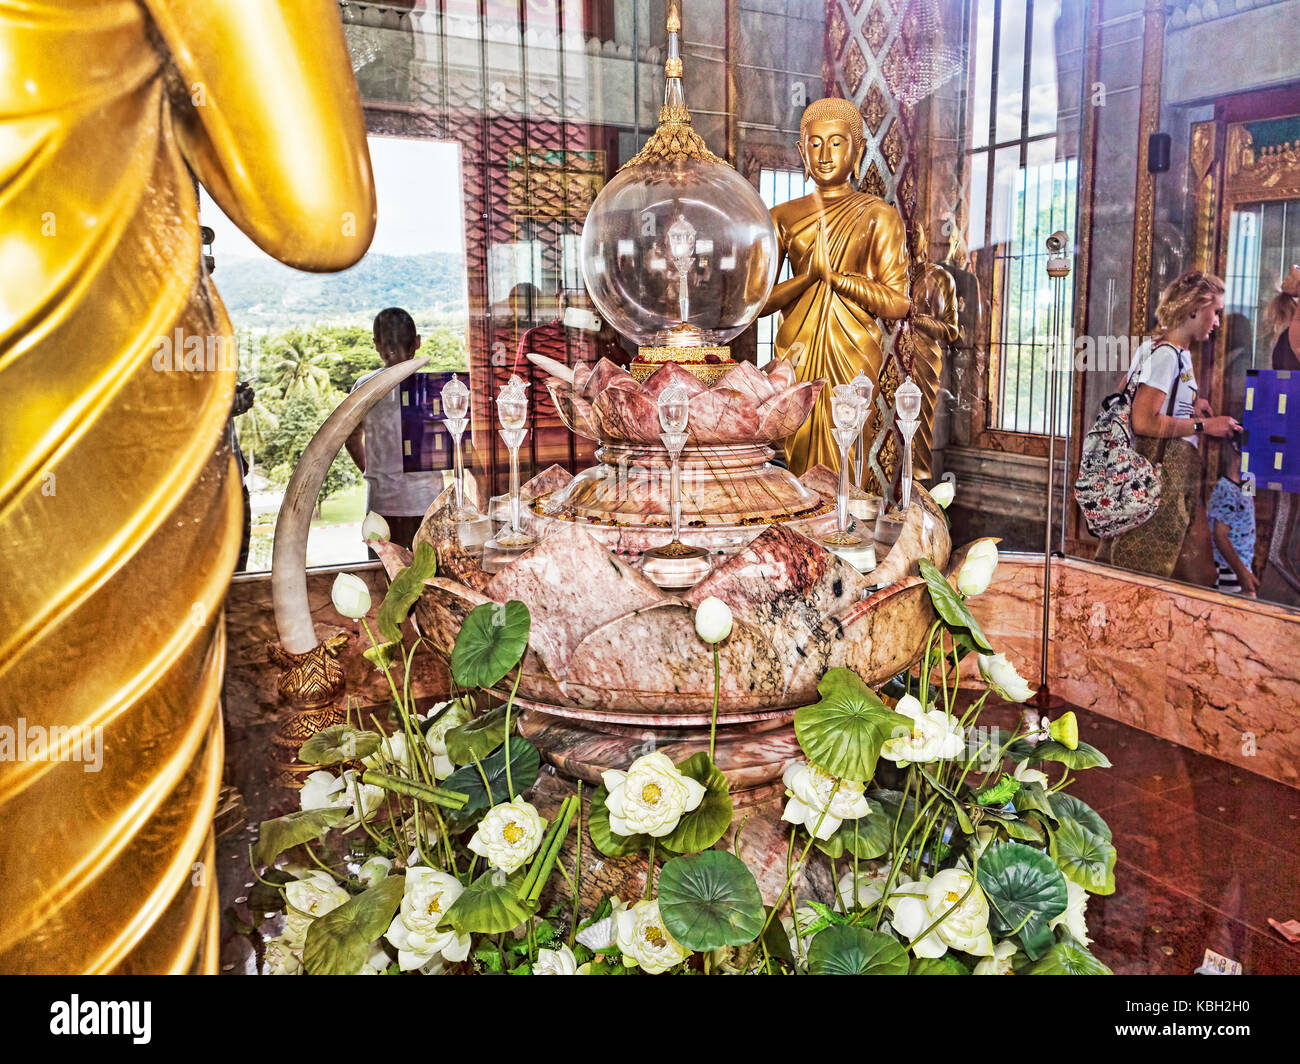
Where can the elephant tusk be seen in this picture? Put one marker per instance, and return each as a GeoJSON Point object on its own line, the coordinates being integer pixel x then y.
{"type": "Point", "coordinates": [289, 553]}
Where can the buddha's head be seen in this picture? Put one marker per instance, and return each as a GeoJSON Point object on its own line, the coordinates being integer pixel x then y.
{"type": "Point", "coordinates": [920, 245]}
{"type": "Point", "coordinates": [831, 141]}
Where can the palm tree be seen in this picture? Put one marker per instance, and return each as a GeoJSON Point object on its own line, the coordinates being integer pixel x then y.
{"type": "Point", "coordinates": [299, 364]}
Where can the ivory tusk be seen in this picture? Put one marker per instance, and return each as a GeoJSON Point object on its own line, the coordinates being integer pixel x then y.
{"type": "Point", "coordinates": [289, 553]}
{"type": "Point", "coordinates": [555, 369]}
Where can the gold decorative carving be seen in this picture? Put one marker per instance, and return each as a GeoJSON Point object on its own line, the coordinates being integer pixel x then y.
{"type": "Point", "coordinates": [892, 146]}
{"type": "Point", "coordinates": [874, 108]}
{"type": "Point", "coordinates": [837, 31]}
{"type": "Point", "coordinates": [1153, 37]}
{"type": "Point", "coordinates": [1203, 180]}
{"type": "Point", "coordinates": [309, 685]}
{"type": "Point", "coordinates": [673, 66]}
{"type": "Point", "coordinates": [876, 27]}
{"type": "Point", "coordinates": [1251, 174]}
{"type": "Point", "coordinates": [553, 183]}
{"type": "Point", "coordinates": [855, 67]}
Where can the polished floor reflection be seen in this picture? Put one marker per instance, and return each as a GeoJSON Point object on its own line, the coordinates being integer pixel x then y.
{"type": "Point", "coordinates": [1207, 853]}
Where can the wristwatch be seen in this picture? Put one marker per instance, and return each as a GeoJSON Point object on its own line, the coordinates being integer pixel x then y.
{"type": "Point", "coordinates": [1198, 426]}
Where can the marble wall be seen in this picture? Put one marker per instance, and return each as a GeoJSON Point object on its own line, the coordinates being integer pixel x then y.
{"type": "Point", "coordinates": [1215, 674]}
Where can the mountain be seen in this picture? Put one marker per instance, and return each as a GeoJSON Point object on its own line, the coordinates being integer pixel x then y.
{"type": "Point", "coordinates": [262, 293]}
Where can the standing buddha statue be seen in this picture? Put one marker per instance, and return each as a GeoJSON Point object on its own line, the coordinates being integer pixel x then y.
{"type": "Point", "coordinates": [848, 253]}
{"type": "Point", "coordinates": [934, 326]}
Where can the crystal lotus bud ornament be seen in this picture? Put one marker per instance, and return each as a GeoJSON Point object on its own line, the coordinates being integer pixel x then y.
{"type": "Point", "coordinates": [863, 389]}
{"type": "Point", "coordinates": [907, 409]}
{"type": "Point", "coordinates": [455, 409]}
{"type": "Point", "coordinates": [455, 398]}
{"type": "Point", "coordinates": [674, 409]}
{"type": "Point", "coordinates": [512, 413]}
{"type": "Point", "coordinates": [351, 596]}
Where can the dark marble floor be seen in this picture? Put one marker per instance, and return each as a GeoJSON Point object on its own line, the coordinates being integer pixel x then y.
{"type": "Point", "coordinates": [1207, 852]}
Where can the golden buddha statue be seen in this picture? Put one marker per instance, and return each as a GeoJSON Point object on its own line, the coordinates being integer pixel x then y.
{"type": "Point", "coordinates": [848, 253]}
{"type": "Point", "coordinates": [934, 325]}
{"type": "Point", "coordinates": [119, 508]}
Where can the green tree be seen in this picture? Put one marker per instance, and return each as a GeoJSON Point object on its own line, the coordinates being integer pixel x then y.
{"type": "Point", "coordinates": [298, 363]}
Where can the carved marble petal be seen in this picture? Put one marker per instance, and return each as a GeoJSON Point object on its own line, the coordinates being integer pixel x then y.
{"type": "Point", "coordinates": [571, 584]}
{"type": "Point", "coordinates": [751, 380]}
{"type": "Point", "coordinates": [781, 373]}
{"type": "Point", "coordinates": [627, 414]}
{"type": "Point", "coordinates": [784, 584]}
{"type": "Point", "coordinates": [669, 374]}
{"type": "Point", "coordinates": [601, 377]}
{"type": "Point", "coordinates": [723, 415]}
{"type": "Point", "coordinates": [784, 412]}
{"type": "Point", "coordinates": [651, 660]}
{"type": "Point", "coordinates": [439, 529]}
{"type": "Point", "coordinates": [925, 535]}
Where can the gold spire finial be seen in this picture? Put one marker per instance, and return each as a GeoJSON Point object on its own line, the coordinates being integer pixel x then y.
{"type": "Point", "coordinates": [674, 19]}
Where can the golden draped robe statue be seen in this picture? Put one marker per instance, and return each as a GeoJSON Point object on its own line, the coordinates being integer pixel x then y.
{"type": "Point", "coordinates": [119, 511]}
{"type": "Point", "coordinates": [848, 253]}
{"type": "Point", "coordinates": [934, 326]}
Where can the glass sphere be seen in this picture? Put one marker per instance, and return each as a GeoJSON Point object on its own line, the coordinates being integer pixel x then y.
{"type": "Point", "coordinates": [679, 241]}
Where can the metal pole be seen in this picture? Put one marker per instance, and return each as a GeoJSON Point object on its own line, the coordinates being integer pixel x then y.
{"type": "Point", "coordinates": [1058, 268]}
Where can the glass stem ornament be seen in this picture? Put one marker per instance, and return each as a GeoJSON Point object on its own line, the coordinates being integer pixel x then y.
{"type": "Point", "coordinates": [848, 415]}
{"type": "Point", "coordinates": [676, 564]}
{"type": "Point", "coordinates": [512, 413]}
{"type": "Point", "coordinates": [864, 389]}
{"type": "Point", "coordinates": [907, 409]}
{"type": "Point", "coordinates": [455, 409]}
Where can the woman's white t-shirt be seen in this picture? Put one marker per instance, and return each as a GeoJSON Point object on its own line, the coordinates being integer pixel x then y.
{"type": "Point", "coordinates": [1157, 368]}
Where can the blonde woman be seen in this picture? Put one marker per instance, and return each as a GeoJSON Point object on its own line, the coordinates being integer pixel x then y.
{"type": "Point", "coordinates": [1283, 314]}
{"type": "Point", "coordinates": [1169, 418]}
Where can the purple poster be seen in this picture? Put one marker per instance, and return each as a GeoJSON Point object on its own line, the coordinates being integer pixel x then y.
{"type": "Point", "coordinates": [1270, 447]}
{"type": "Point", "coordinates": [426, 444]}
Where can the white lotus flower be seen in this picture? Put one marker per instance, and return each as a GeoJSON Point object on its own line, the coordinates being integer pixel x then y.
{"type": "Point", "coordinates": [964, 929]}
{"type": "Point", "coordinates": [1076, 906]}
{"type": "Point", "coordinates": [375, 527]}
{"type": "Point", "coordinates": [818, 802]}
{"type": "Point", "coordinates": [943, 493]}
{"type": "Point", "coordinates": [392, 752]}
{"type": "Point", "coordinates": [935, 736]}
{"type": "Point", "coordinates": [351, 596]}
{"type": "Point", "coordinates": [312, 896]}
{"type": "Point", "coordinates": [281, 959]}
{"type": "Point", "coordinates": [376, 962]}
{"type": "Point", "coordinates": [976, 571]}
{"type": "Point", "coordinates": [508, 835]}
{"type": "Point", "coordinates": [602, 936]}
{"type": "Point", "coordinates": [370, 797]}
{"type": "Point", "coordinates": [374, 870]}
{"type": "Point", "coordinates": [1025, 774]}
{"type": "Point", "coordinates": [870, 888]}
{"type": "Point", "coordinates": [1000, 674]}
{"type": "Point", "coordinates": [555, 962]}
{"type": "Point", "coordinates": [713, 620]}
{"type": "Point", "coordinates": [322, 790]}
{"type": "Point", "coordinates": [650, 797]}
{"type": "Point", "coordinates": [644, 942]}
{"type": "Point", "coordinates": [1000, 962]}
{"type": "Point", "coordinates": [428, 894]}
{"type": "Point", "coordinates": [435, 738]}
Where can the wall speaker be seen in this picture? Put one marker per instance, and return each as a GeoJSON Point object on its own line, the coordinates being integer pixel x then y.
{"type": "Point", "coordinates": [1158, 152]}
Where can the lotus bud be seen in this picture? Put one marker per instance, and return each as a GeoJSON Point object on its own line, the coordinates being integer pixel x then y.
{"type": "Point", "coordinates": [977, 570]}
{"type": "Point", "coordinates": [351, 596]}
{"type": "Point", "coordinates": [375, 527]}
{"type": "Point", "coordinates": [943, 492]}
{"type": "Point", "coordinates": [713, 620]}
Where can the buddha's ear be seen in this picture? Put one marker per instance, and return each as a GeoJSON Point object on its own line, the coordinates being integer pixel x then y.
{"type": "Point", "coordinates": [857, 163]}
{"type": "Point", "coordinates": [803, 155]}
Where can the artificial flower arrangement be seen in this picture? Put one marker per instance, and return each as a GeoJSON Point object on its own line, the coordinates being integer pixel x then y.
{"type": "Point", "coordinates": [951, 849]}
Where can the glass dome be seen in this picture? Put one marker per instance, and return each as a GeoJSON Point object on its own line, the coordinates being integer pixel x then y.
{"type": "Point", "coordinates": [678, 249]}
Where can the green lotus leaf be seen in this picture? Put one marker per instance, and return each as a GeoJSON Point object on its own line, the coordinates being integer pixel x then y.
{"type": "Point", "coordinates": [1025, 890]}
{"type": "Point", "coordinates": [945, 965]}
{"type": "Point", "coordinates": [1068, 958]}
{"type": "Point", "coordinates": [708, 822]}
{"type": "Point", "coordinates": [338, 743]}
{"type": "Point", "coordinates": [404, 590]}
{"type": "Point", "coordinates": [285, 832]}
{"type": "Point", "coordinates": [338, 942]}
{"type": "Point", "coordinates": [1084, 856]}
{"type": "Point", "coordinates": [491, 642]}
{"type": "Point", "coordinates": [525, 763]}
{"type": "Point", "coordinates": [477, 738]}
{"type": "Point", "coordinates": [1064, 805]}
{"type": "Point", "coordinates": [710, 900]}
{"type": "Point", "coordinates": [951, 606]}
{"type": "Point", "coordinates": [843, 950]}
{"type": "Point", "coordinates": [1032, 798]}
{"type": "Point", "coordinates": [843, 733]}
{"type": "Point", "coordinates": [489, 906]}
{"type": "Point", "coordinates": [1085, 756]}
{"type": "Point", "coordinates": [866, 838]}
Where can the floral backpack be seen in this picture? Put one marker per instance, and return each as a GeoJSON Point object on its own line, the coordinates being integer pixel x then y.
{"type": "Point", "coordinates": [1117, 488]}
